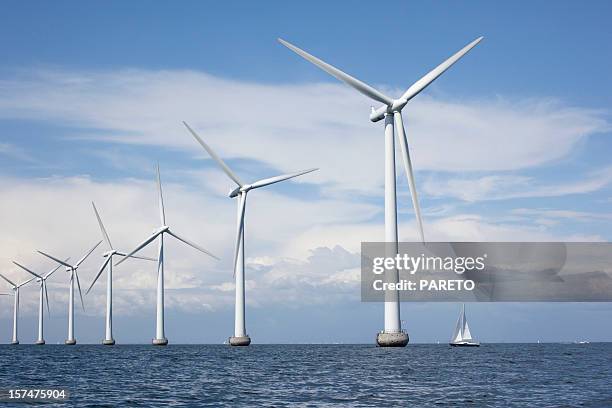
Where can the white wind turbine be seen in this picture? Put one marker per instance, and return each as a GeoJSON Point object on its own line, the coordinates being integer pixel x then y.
{"type": "Point", "coordinates": [241, 338]}
{"type": "Point", "coordinates": [160, 337]}
{"type": "Point", "coordinates": [15, 288]}
{"type": "Point", "coordinates": [108, 331]}
{"type": "Point", "coordinates": [393, 335]}
{"type": "Point", "coordinates": [72, 269]}
{"type": "Point", "coordinates": [43, 294]}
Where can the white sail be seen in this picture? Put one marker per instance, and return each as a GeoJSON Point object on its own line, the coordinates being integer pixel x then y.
{"type": "Point", "coordinates": [465, 330]}
{"type": "Point", "coordinates": [466, 335]}
{"type": "Point", "coordinates": [458, 328]}
{"type": "Point", "coordinates": [462, 334]}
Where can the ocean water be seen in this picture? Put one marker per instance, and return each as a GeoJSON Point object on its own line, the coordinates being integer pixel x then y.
{"type": "Point", "coordinates": [493, 375]}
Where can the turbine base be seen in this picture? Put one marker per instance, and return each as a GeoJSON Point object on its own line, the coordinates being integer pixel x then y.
{"type": "Point", "coordinates": [392, 339]}
{"type": "Point", "coordinates": [110, 342]}
{"type": "Point", "coordinates": [239, 341]}
{"type": "Point", "coordinates": [160, 342]}
{"type": "Point", "coordinates": [70, 342]}
{"type": "Point", "coordinates": [39, 342]}
{"type": "Point", "coordinates": [15, 342]}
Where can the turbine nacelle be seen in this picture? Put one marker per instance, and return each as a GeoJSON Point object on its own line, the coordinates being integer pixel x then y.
{"type": "Point", "coordinates": [235, 192]}
{"type": "Point", "coordinates": [380, 113]}
{"type": "Point", "coordinates": [241, 189]}
{"type": "Point", "coordinates": [109, 253]}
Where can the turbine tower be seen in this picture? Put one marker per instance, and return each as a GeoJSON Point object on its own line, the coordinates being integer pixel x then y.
{"type": "Point", "coordinates": [43, 294]}
{"type": "Point", "coordinates": [241, 338]}
{"type": "Point", "coordinates": [15, 288]}
{"type": "Point", "coordinates": [108, 331]}
{"type": "Point", "coordinates": [160, 337]}
{"type": "Point", "coordinates": [391, 112]}
{"type": "Point", "coordinates": [72, 269]}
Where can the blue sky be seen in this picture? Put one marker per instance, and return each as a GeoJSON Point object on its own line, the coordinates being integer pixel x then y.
{"type": "Point", "coordinates": [512, 143]}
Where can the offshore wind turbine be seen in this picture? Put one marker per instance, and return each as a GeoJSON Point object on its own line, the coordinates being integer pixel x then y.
{"type": "Point", "coordinates": [72, 269]}
{"type": "Point", "coordinates": [160, 337]}
{"type": "Point", "coordinates": [43, 294]}
{"type": "Point", "coordinates": [15, 288]}
{"type": "Point", "coordinates": [108, 331]}
{"type": "Point", "coordinates": [241, 338]}
{"type": "Point", "coordinates": [391, 112]}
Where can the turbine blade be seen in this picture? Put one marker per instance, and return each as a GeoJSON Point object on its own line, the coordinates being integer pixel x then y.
{"type": "Point", "coordinates": [99, 273]}
{"type": "Point", "coordinates": [7, 279]}
{"type": "Point", "coordinates": [26, 282]}
{"type": "Point", "coordinates": [272, 180]}
{"type": "Point", "coordinates": [342, 76]}
{"type": "Point", "coordinates": [104, 233]}
{"type": "Point", "coordinates": [79, 286]}
{"type": "Point", "coordinates": [215, 157]}
{"type": "Point", "coordinates": [399, 125]}
{"type": "Point", "coordinates": [139, 247]}
{"type": "Point", "coordinates": [52, 271]}
{"type": "Point", "coordinates": [240, 228]}
{"type": "Point", "coordinates": [87, 254]}
{"type": "Point", "coordinates": [162, 214]}
{"type": "Point", "coordinates": [191, 244]}
{"type": "Point", "coordinates": [136, 257]}
{"type": "Point", "coordinates": [47, 297]}
{"type": "Point", "coordinates": [28, 270]}
{"type": "Point", "coordinates": [55, 259]}
{"type": "Point", "coordinates": [422, 83]}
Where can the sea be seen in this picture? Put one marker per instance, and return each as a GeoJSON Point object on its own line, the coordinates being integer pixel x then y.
{"type": "Point", "coordinates": [419, 375]}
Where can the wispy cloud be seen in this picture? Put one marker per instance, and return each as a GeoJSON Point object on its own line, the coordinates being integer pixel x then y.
{"type": "Point", "coordinates": [16, 152]}
{"type": "Point", "coordinates": [504, 187]}
{"type": "Point", "coordinates": [293, 126]}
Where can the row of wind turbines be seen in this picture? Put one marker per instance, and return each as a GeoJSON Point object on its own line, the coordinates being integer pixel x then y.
{"type": "Point", "coordinates": [390, 111]}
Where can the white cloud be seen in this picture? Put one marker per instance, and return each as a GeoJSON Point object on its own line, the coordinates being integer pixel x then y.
{"type": "Point", "coordinates": [16, 152]}
{"type": "Point", "coordinates": [503, 187]}
{"type": "Point", "coordinates": [297, 126]}
{"type": "Point", "coordinates": [299, 249]}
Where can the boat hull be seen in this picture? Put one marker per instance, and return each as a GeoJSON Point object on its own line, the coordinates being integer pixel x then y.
{"type": "Point", "coordinates": [464, 344]}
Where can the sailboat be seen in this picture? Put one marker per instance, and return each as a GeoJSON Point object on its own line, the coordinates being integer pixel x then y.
{"type": "Point", "coordinates": [462, 336]}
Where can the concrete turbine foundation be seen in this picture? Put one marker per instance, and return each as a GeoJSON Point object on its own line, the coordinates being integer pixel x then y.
{"type": "Point", "coordinates": [40, 342]}
{"type": "Point", "coordinates": [107, 342]}
{"type": "Point", "coordinates": [70, 342]}
{"type": "Point", "coordinates": [160, 342]}
{"type": "Point", "coordinates": [239, 341]}
{"type": "Point", "coordinates": [392, 339]}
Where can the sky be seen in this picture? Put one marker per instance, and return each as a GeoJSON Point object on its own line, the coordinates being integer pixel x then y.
{"type": "Point", "coordinates": [511, 144]}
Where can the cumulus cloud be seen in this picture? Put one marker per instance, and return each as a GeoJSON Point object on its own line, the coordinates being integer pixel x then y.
{"type": "Point", "coordinates": [299, 248]}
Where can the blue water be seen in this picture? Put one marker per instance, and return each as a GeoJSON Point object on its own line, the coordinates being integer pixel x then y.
{"type": "Point", "coordinates": [494, 375]}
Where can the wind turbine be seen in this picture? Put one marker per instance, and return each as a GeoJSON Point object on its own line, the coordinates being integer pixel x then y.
{"type": "Point", "coordinates": [160, 337]}
{"type": "Point", "coordinates": [393, 335]}
{"type": "Point", "coordinates": [241, 338]}
{"type": "Point", "coordinates": [42, 294]}
{"type": "Point", "coordinates": [15, 288]}
{"type": "Point", "coordinates": [73, 274]}
{"type": "Point", "coordinates": [108, 333]}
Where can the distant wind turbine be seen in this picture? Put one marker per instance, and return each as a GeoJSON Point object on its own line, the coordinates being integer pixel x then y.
{"type": "Point", "coordinates": [241, 338]}
{"type": "Point", "coordinates": [160, 337]}
{"type": "Point", "coordinates": [43, 294]}
{"type": "Point", "coordinates": [108, 332]}
{"type": "Point", "coordinates": [393, 334]}
{"type": "Point", "coordinates": [15, 288]}
{"type": "Point", "coordinates": [72, 269]}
